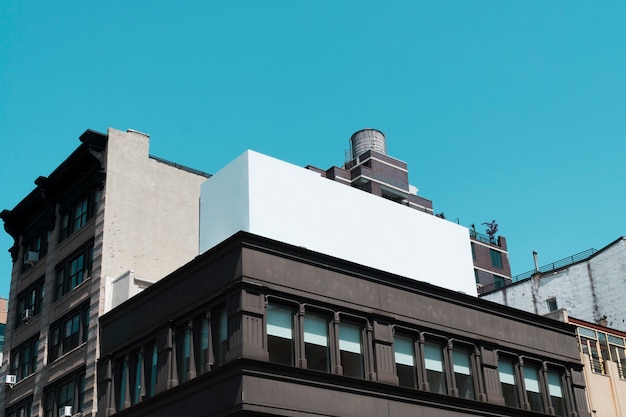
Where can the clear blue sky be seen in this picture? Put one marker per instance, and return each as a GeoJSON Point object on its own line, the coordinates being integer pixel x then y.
{"type": "Point", "coordinates": [505, 110]}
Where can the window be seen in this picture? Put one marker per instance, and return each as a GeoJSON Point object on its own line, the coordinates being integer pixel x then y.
{"type": "Point", "coordinates": [532, 382]}
{"type": "Point", "coordinates": [555, 390]}
{"type": "Point", "coordinates": [29, 302]}
{"type": "Point", "coordinates": [498, 281]}
{"type": "Point", "coordinates": [316, 347]}
{"type": "Point", "coordinates": [73, 271]}
{"type": "Point", "coordinates": [473, 251]}
{"type": "Point", "coordinates": [183, 352]}
{"type": "Point", "coordinates": [79, 213]}
{"type": "Point", "coordinates": [121, 383]}
{"type": "Point", "coordinates": [508, 382]}
{"type": "Point", "coordinates": [496, 258]}
{"type": "Point", "coordinates": [22, 409]}
{"type": "Point", "coordinates": [404, 354]}
{"type": "Point", "coordinates": [136, 376]}
{"type": "Point", "coordinates": [551, 303]}
{"type": "Point", "coordinates": [433, 361]}
{"type": "Point", "coordinates": [463, 374]}
{"type": "Point", "coordinates": [68, 333]}
{"type": "Point", "coordinates": [24, 358]}
{"type": "Point", "coordinates": [151, 366]}
{"type": "Point", "coordinates": [351, 350]}
{"type": "Point", "coordinates": [201, 344]}
{"type": "Point", "coordinates": [67, 392]}
{"type": "Point", "coordinates": [280, 344]}
{"type": "Point", "coordinates": [618, 355]}
{"type": "Point", "coordinates": [38, 246]}
{"type": "Point", "coordinates": [221, 336]}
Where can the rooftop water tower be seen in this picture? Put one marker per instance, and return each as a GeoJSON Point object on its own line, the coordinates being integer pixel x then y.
{"type": "Point", "coordinates": [368, 139]}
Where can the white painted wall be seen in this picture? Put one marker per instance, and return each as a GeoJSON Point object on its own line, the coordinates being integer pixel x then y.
{"type": "Point", "coordinates": [588, 290]}
{"type": "Point", "coordinates": [281, 201]}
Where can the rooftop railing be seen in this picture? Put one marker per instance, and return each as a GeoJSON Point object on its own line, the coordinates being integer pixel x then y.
{"type": "Point", "coordinates": [561, 263]}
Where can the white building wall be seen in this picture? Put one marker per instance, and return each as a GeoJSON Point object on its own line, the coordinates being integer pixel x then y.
{"type": "Point", "coordinates": [281, 201]}
{"type": "Point", "coordinates": [589, 290]}
{"type": "Point", "coordinates": [151, 215]}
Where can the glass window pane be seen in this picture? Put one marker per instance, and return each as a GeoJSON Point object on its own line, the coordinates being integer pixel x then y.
{"type": "Point", "coordinates": [531, 381]}
{"type": "Point", "coordinates": [556, 393]}
{"type": "Point", "coordinates": [350, 350]}
{"type": "Point", "coordinates": [616, 340]}
{"type": "Point", "coordinates": [433, 355]}
{"type": "Point", "coordinates": [463, 372]}
{"type": "Point", "coordinates": [508, 382]}
{"type": "Point", "coordinates": [404, 353]}
{"type": "Point", "coordinates": [316, 349]}
{"type": "Point", "coordinates": [280, 344]}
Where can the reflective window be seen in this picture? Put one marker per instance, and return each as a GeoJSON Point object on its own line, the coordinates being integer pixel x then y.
{"type": "Point", "coordinates": [463, 372]}
{"type": "Point", "coordinates": [316, 347]}
{"type": "Point", "coordinates": [351, 350]}
{"type": "Point", "coordinates": [533, 387]}
{"type": "Point", "coordinates": [404, 354]}
{"type": "Point", "coordinates": [280, 344]}
{"type": "Point", "coordinates": [508, 382]}
{"type": "Point", "coordinates": [433, 361]}
{"type": "Point", "coordinates": [555, 389]}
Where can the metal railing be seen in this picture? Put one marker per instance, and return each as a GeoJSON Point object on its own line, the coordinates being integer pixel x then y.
{"type": "Point", "coordinates": [561, 263]}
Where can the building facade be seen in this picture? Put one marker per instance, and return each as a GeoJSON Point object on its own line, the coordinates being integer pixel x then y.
{"type": "Point", "coordinates": [257, 327]}
{"type": "Point", "coordinates": [108, 211]}
{"type": "Point", "coordinates": [588, 285]}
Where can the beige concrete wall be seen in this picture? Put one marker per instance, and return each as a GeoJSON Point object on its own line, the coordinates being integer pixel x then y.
{"type": "Point", "coordinates": [151, 214]}
{"type": "Point", "coordinates": [607, 393]}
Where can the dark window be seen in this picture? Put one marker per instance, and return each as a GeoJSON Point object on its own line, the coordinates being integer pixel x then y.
{"type": "Point", "coordinates": [69, 332]}
{"type": "Point", "coordinates": [316, 342]}
{"type": "Point", "coordinates": [35, 249]}
{"type": "Point", "coordinates": [151, 366]}
{"type": "Point", "coordinates": [221, 336]}
{"type": "Point", "coordinates": [73, 271]}
{"type": "Point", "coordinates": [24, 358]}
{"type": "Point", "coordinates": [508, 382]}
{"type": "Point", "coordinates": [67, 392]}
{"type": "Point", "coordinates": [404, 353]}
{"type": "Point", "coordinates": [183, 352]}
{"type": "Point", "coordinates": [498, 281]}
{"type": "Point", "coordinates": [136, 381]}
{"type": "Point", "coordinates": [552, 305]}
{"type": "Point", "coordinates": [121, 383]}
{"type": "Point", "coordinates": [435, 367]}
{"type": "Point", "coordinates": [22, 409]}
{"type": "Point", "coordinates": [280, 343]}
{"type": "Point", "coordinates": [351, 350]}
{"type": "Point", "coordinates": [29, 302]}
{"type": "Point", "coordinates": [496, 258]}
{"type": "Point", "coordinates": [201, 344]}
{"type": "Point", "coordinates": [463, 372]}
{"type": "Point", "coordinates": [473, 251]}
{"type": "Point", "coordinates": [555, 389]}
{"type": "Point", "coordinates": [79, 213]}
{"type": "Point", "coordinates": [532, 382]}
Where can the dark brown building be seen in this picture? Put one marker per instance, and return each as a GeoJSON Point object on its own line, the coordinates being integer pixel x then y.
{"type": "Point", "coordinates": [256, 327]}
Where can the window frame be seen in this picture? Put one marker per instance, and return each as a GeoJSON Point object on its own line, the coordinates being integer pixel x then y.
{"type": "Point", "coordinates": [18, 365]}
{"type": "Point", "coordinates": [25, 406]}
{"type": "Point", "coordinates": [52, 394]}
{"type": "Point", "coordinates": [59, 343]}
{"type": "Point", "coordinates": [67, 279]}
{"type": "Point", "coordinates": [75, 216]}
{"type": "Point", "coordinates": [496, 258]}
{"type": "Point", "coordinates": [30, 298]}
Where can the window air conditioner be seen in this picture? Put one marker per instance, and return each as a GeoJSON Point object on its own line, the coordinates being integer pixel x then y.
{"type": "Point", "coordinates": [10, 379]}
{"type": "Point", "coordinates": [31, 257]}
{"type": "Point", "coordinates": [65, 411]}
{"type": "Point", "coordinates": [27, 315]}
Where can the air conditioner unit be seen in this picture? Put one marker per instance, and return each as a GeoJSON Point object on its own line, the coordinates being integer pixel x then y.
{"type": "Point", "coordinates": [31, 257]}
{"type": "Point", "coordinates": [10, 379]}
{"type": "Point", "coordinates": [27, 315]}
{"type": "Point", "coordinates": [65, 411]}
